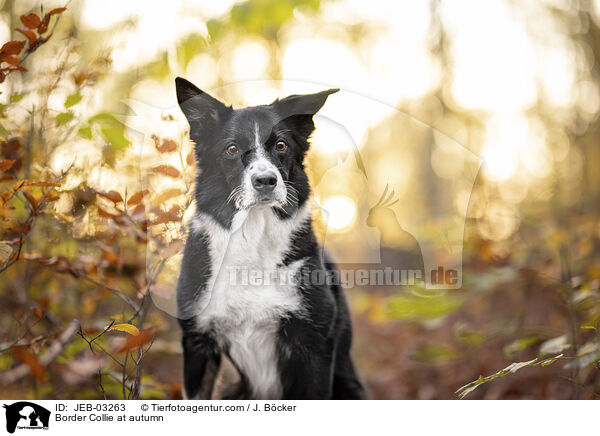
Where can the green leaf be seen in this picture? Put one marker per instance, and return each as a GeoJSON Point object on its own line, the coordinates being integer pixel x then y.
{"type": "Point", "coordinates": [72, 100]}
{"type": "Point", "coordinates": [116, 137]}
{"type": "Point", "coordinates": [63, 118]}
{"type": "Point", "coordinates": [15, 98]}
{"type": "Point", "coordinates": [85, 132]}
{"type": "Point", "coordinates": [3, 131]}
{"type": "Point", "coordinates": [104, 118]}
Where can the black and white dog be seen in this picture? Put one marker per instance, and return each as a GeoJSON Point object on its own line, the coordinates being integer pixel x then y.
{"type": "Point", "coordinates": [288, 339]}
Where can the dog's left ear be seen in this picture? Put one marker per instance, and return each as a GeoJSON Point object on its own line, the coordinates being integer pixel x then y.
{"type": "Point", "coordinates": [299, 109]}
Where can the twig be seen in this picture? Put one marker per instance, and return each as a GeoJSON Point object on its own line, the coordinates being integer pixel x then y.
{"type": "Point", "coordinates": [48, 357]}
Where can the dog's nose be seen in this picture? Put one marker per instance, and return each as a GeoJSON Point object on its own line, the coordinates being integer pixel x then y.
{"type": "Point", "coordinates": [264, 182]}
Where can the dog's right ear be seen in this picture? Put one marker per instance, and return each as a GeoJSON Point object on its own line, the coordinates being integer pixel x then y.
{"type": "Point", "coordinates": [202, 111]}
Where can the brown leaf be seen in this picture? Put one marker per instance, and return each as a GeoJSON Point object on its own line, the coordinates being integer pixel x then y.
{"type": "Point", "coordinates": [137, 197]}
{"type": "Point", "coordinates": [10, 59]}
{"type": "Point", "coordinates": [168, 216]}
{"type": "Point", "coordinates": [12, 47]}
{"type": "Point", "coordinates": [31, 199]}
{"type": "Point", "coordinates": [138, 210]}
{"type": "Point", "coordinates": [167, 146]}
{"type": "Point", "coordinates": [167, 170]}
{"type": "Point", "coordinates": [43, 27]}
{"type": "Point", "coordinates": [190, 159]}
{"type": "Point", "coordinates": [21, 353]}
{"type": "Point", "coordinates": [6, 165]}
{"type": "Point", "coordinates": [105, 214]}
{"type": "Point", "coordinates": [167, 195]}
{"type": "Point", "coordinates": [31, 21]}
{"type": "Point", "coordinates": [31, 37]}
{"type": "Point", "coordinates": [133, 342]}
{"type": "Point", "coordinates": [28, 182]}
{"type": "Point", "coordinates": [113, 196]}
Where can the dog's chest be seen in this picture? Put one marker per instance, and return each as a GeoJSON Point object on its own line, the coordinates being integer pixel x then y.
{"type": "Point", "coordinates": [248, 294]}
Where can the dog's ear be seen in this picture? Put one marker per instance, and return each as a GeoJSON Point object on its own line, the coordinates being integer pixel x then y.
{"type": "Point", "coordinates": [300, 109]}
{"type": "Point", "coordinates": [202, 111]}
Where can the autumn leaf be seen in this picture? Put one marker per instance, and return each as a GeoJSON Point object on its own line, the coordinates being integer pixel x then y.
{"type": "Point", "coordinates": [128, 328]}
{"type": "Point", "coordinates": [21, 353]}
{"type": "Point", "coordinates": [190, 158]}
{"type": "Point", "coordinates": [66, 218]}
{"type": "Point", "coordinates": [133, 342]}
{"type": "Point", "coordinates": [6, 165]}
{"type": "Point", "coordinates": [167, 195]}
{"type": "Point", "coordinates": [5, 252]}
{"type": "Point", "coordinates": [31, 199]}
{"type": "Point", "coordinates": [113, 196]}
{"type": "Point", "coordinates": [43, 27]}
{"type": "Point", "coordinates": [31, 21]}
{"type": "Point", "coordinates": [12, 47]}
{"type": "Point", "coordinates": [28, 182]}
{"type": "Point", "coordinates": [167, 170]}
{"type": "Point", "coordinates": [167, 146]}
{"type": "Point", "coordinates": [106, 214]}
{"type": "Point", "coordinates": [168, 216]}
{"type": "Point", "coordinates": [31, 37]}
{"type": "Point", "coordinates": [10, 59]}
{"type": "Point", "coordinates": [137, 197]}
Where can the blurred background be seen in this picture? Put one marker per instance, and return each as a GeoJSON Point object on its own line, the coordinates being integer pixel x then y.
{"type": "Point", "coordinates": [480, 118]}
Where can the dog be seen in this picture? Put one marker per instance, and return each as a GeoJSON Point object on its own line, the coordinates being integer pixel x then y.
{"type": "Point", "coordinates": [289, 339]}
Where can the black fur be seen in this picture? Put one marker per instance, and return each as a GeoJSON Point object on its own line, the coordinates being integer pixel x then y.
{"type": "Point", "coordinates": [313, 350]}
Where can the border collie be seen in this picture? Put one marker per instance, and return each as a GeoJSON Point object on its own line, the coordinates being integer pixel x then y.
{"type": "Point", "coordinates": [287, 339]}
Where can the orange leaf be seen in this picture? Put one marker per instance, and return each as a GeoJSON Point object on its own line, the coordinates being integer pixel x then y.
{"type": "Point", "coordinates": [137, 197]}
{"type": "Point", "coordinates": [190, 159]}
{"type": "Point", "coordinates": [168, 216]}
{"type": "Point", "coordinates": [106, 214]}
{"type": "Point", "coordinates": [37, 369]}
{"type": "Point", "coordinates": [31, 21]}
{"type": "Point", "coordinates": [167, 170]}
{"type": "Point", "coordinates": [167, 195]}
{"type": "Point", "coordinates": [133, 342]}
{"type": "Point", "coordinates": [31, 199]}
{"type": "Point", "coordinates": [56, 11]}
{"type": "Point", "coordinates": [31, 37]}
{"type": "Point", "coordinates": [44, 24]}
{"type": "Point", "coordinates": [12, 47]}
{"type": "Point", "coordinates": [113, 196]}
{"type": "Point", "coordinates": [168, 145]}
{"type": "Point", "coordinates": [10, 59]}
{"type": "Point", "coordinates": [28, 182]}
{"type": "Point", "coordinates": [6, 165]}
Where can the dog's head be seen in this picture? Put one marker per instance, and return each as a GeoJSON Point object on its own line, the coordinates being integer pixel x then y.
{"type": "Point", "coordinates": [250, 157]}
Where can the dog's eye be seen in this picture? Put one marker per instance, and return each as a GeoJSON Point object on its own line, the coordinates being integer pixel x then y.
{"type": "Point", "coordinates": [280, 146]}
{"type": "Point", "coordinates": [232, 150]}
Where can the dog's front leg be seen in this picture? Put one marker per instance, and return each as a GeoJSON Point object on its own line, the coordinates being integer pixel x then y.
{"type": "Point", "coordinates": [201, 361]}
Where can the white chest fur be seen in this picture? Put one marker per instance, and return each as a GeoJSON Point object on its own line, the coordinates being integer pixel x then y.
{"type": "Point", "coordinates": [244, 313]}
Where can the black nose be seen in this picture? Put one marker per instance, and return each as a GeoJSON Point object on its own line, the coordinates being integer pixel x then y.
{"type": "Point", "coordinates": [265, 182]}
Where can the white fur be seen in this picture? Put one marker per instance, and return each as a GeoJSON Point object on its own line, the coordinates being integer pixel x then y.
{"type": "Point", "coordinates": [261, 164]}
{"type": "Point", "coordinates": [246, 316]}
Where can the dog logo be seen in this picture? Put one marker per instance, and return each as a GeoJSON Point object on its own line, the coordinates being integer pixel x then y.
{"type": "Point", "coordinates": [26, 415]}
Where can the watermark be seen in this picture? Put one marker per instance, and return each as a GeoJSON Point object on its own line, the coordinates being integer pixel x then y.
{"type": "Point", "coordinates": [346, 278]}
